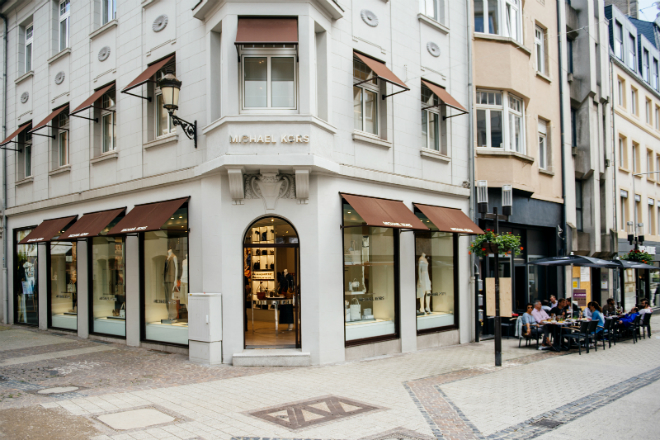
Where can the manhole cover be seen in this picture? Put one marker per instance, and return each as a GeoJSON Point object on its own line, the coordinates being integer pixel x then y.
{"type": "Point", "coordinates": [547, 423]}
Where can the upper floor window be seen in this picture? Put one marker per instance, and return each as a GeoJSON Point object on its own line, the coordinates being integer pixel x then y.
{"type": "Point", "coordinates": [434, 9]}
{"type": "Point", "coordinates": [648, 111]}
{"type": "Point", "coordinates": [108, 123]}
{"type": "Point", "coordinates": [109, 11]}
{"type": "Point", "coordinates": [543, 144]}
{"type": "Point", "coordinates": [657, 119]}
{"type": "Point", "coordinates": [578, 206]}
{"type": "Point", "coordinates": [491, 114]}
{"type": "Point", "coordinates": [569, 54]}
{"type": "Point", "coordinates": [646, 74]}
{"type": "Point", "coordinates": [64, 23]}
{"type": "Point", "coordinates": [433, 121]}
{"type": "Point", "coordinates": [516, 137]}
{"type": "Point", "coordinates": [632, 52]}
{"type": "Point", "coordinates": [654, 74]}
{"type": "Point", "coordinates": [27, 154]}
{"type": "Point", "coordinates": [620, 93]}
{"type": "Point", "coordinates": [365, 98]}
{"type": "Point", "coordinates": [29, 33]}
{"type": "Point", "coordinates": [164, 125]}
{"type": "Point", "coordinates": [269, 77]}
{"type": "Point", "coordinates": [539, 42]}
{"type": "Point", "coordinates": [633, 101]}
{"type": "Point", "coordinates": [618, 40]}
{"type": "Point", "coordinates": [487, 15]}
{"type": "Point", "coordinates": [63, 138]}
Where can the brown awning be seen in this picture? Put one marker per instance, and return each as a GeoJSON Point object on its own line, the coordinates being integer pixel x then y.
{"type": "Point", "coordinates": [384, 212]}
{"type": "Point", "coordinates": [91, 224]}
{"type": "Point", "coordinates": [149, 217]}
{"type": "Point", "coordinates": [449, 219]}
{"type": "Point", "coordinates": [267, 31]}
{"type": "Point", "coordinates": [444, 96]}
{"type": "Point", "coordinates": [92, 99]}
{"type": "Point", "coordinates": [381, 70]}
{"type": "Point", "coordinates": [18, 131]}
{"type": "Point", "coordinates": [50, 117]}
{"type": "Point", "coordinates": [148, 73]}
{"type": "Point", "coordinates": [47, 230]}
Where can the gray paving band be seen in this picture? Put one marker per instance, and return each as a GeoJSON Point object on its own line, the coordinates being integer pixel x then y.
{"type": "Point", "coordinates": [53, 355]}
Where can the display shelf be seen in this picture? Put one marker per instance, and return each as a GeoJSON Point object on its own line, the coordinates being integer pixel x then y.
{"type": "Point", "coordinates": [69, 322]}
{"type": "Point", "coordinates": [108, 326]}
{"type": "Point", "coordinates": [357, 293]}
{"type": "Point", "coordinates": [369, 329]}
{"type": "Point", "coordinates": [369, 263]}
{"type": "Point", "coordinates": [434, 319]}
{"type": "Point", "coordinates": [176, 333]}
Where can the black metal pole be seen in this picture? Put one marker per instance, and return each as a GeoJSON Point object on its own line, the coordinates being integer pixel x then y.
{"type": "Point", "coordinates": [498, 320]}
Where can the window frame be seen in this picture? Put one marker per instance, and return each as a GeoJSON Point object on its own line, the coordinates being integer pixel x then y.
{"type": "Point", "coordinates": [269, 53]}
{"type": "Point", "coordinates": [646, 68]}
{"type": "Point", "coordinates": [29, 43]}
{"type": "Point", "coordinates": [539, 43]}
{"type": "Point", "coordinates": [579, 206]}
{"type": "Point", "coordinates": [654, 74]}
{"type": "Point", "coordinates": [649, 110]}
{"type": "Point", "coordinates": [27, 157]}
{"type": "Point", "coordinates": [633, 101]}
{"type": "Point", "coordinates": [488, 108]}
{"type": "Point", "coordinates": [108, 11]}
{"type": "Point", "coordinates": [631, 60]}
{"type": "Point", "coordinates": [620, 91]}
{"type": "Point", "coordinates": [618, 48]}
{"type": "Point", "coordinates": [436, 6]}
{"type": "Point", "coordinates": [64, 17]}
{"type": "Point", "coordinates": [63, 129]}
{"type": "Point", "coordinates": [433, 106]}
{"type": "Point", "coordinates": [624, 207]}
{"type": "Point", "coordinates": [109, 111]}
{"type": "Point", "coordinates": [543, 145]}
{"type": "Point", "coordinates": [503, 21]}
{"type": "Point", "coordinates": [372, 86]}
{"type": "Point", "coordinates": [514, 115]}
{"type": "Point", "coordinates": [158, 95]}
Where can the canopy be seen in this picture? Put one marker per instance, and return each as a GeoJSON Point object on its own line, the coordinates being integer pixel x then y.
{"type": "Point", "coordinates": [18, 131]}
{"type": "Point", "coordinates": [50, 117]}
{"type": "Point", "coordinates": [384, 212]}
{"type": "Point", "coordinates": [91, 224]}
{"type": "Point", "coordinates": [148, 73]}
{"type": "Point", "coordinates": [449, 219]}
{"type": "Point", "coordinates": [576, 260]}
{"type": "Point", "coordinates": [627, 264]}
{"type": "Point", "coordinates": [149, 217]}
{"type": "Point", "coordinates": [48, 229]}
{"type": "Point", "coordinates": [267, 31]}
{"type": "Point", "coordinates": [444, 96]}
{"type": "Point", "coordinates": [381, 70]}
{"type": "Point", "coordinates": [92, 99]}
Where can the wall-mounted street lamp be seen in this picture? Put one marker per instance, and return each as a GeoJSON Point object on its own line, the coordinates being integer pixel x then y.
{"type": "Point", "coordinates": [169, 87]}
{"type": "Point", "coordinates": [635, 233]}
{"type": "Point", "coordinates": [507, 203]}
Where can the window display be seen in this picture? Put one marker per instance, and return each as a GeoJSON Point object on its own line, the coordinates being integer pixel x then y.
{"type": "Point", "coordinates": [434, 278]}
{"type": "Point", "coordinates": [165, 260]}
{"type": "Point", "coordinates": [108, 286]}
{"type": "Point", "coordinates": [63, 285]}
{"type": "Point", "coordinates": [26, 297]}
{"type": "Point", "coordinates": [370, 278]}
{"type": "Point", "coordinates": [270, 275]}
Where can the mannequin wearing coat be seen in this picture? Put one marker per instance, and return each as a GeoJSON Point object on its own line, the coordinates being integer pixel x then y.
{"type": "Point", "coordinates": [286, 310]}
{"type": "Point", "coordinates": [423, 285]}
{"type": "Point", "coordinates": [170, 274]}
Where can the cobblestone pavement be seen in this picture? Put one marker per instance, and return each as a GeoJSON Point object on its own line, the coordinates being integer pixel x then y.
{"type": "Point", "coordinates": [451, 393]}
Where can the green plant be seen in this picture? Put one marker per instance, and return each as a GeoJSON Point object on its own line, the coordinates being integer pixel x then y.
{"type": "Point", "coordinates": [641, 256]}
{"type": "Point", "coordinates": [506, 243]}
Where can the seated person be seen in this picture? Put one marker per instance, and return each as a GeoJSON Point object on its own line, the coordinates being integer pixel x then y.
{"type": "Point", "coordinates": [597, 314]}
{"type": "Point", "coordinates": [609, 308]}
{"type": "Point", "coordinates": [587, 311]}
{"type": "Point", "coordinates": [561, 310]}
{"type": "Point", "coordinates": [530, 322]}
{"type": "Point", "coordinates": [627, 319]}
{"type": "Point", "coordinates": [553, 301]}
{"type": "Point", "coordinates": [545, 305]}
{"type": "Point", "coordinates": [646, 307]}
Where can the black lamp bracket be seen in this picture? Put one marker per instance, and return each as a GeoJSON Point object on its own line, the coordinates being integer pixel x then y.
{"type": "Point", "coordinates": [190, 129]}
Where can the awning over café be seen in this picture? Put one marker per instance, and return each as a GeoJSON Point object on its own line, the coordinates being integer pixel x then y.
{"type": "Point", "coordinates": [449, 219]}
{"type": "Point", "coordinates": [89, 102]}
{"type": "Point", "coordinates": [628, 264]}
{"type": "Point", "coordinates": [444, 96]}
{"type": "Point", "coordinates": [91, 224]}
{"type": "Point", "coordinates": [18, 131]}
{"type": "Point", "coordinates": [50, 117]}
{"type": "Point", "coordinates": [576, 260]}
{"type": "Point", "coordinates": [48, 229]}
{"type": "Point", "coordinates": [148, 217]}
{"type": "Point", "coordinates": [267, 31]}
{"type": "Point", "coordinates": [384, 212]}
{"type": "Point", "coordinates": [148, 73]}
{"type": "Point", "coordinates": [380, 70]}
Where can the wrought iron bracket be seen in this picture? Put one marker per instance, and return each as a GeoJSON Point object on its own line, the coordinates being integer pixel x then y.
{"type": "Point", "coordinates": [190, 129]}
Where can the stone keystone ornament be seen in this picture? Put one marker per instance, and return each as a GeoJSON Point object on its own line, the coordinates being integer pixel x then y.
{"type": "Point", "coordinates": [270, 186]}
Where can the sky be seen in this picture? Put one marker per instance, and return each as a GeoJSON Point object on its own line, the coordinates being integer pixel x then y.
{"type": "Point", "coordinates": [647, 10]}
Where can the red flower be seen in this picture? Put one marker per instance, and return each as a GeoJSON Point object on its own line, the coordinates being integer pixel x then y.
{"type": "Point", "coordinates": [469, 253]}
{"type": "Point", "coordinates": [521, 248]}
{"type": "Point", "coordinates": [483, 249]}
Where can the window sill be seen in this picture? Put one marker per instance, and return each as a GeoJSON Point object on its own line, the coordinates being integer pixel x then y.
{"type": "Point", "coordinates": [61, 170]}
{"type": "Point", "coordinates": [433, 23]}
{"type": "Point", "coordinates": [433, 154]}
{"type": "Point", "coordinates": [511, 41]}
{"type": "Point", "coordinates": [543, 76]}
{"type": "Point", "coordinates": [59, 55]}
{"type": "Point", "coordinates": [105, 156]}
{"type": "Point", "coordinates": [163, 140]}
{"type": "Point", "coordinates": [547, 172]}
{"type": "Point", "coordinates": [23, 77]}
{"type": "Point", "coordinates": [492, 152]}
{"type": "Point", "coordinates": [103, 29]}
{"type": "Point", "coordinates": [25, 181]}
{"type": "Point", "coordinates": [625, 170]}
{"type": "Point", "coordinates": [371, 139]}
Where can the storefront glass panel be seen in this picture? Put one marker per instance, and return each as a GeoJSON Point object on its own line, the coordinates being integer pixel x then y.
{"type": "Point", "coordinates": [165, 269]}
{"type": "Point", "coordinates": [629, 289]}
{"type": "Point", "coordinates": [63, 285]}
{"type": "Point", "coordinates": [108, 286]}
{"type": "Point", "coordinates": [26, 297]}
{"type": "Point", "coordinates": [434, 278]}
{"type": "Point", "coordinates": [370, 264]}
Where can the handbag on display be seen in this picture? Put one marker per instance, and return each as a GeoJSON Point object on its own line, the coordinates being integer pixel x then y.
{"type": "Point", "coordinates": [256, 235]}
{"type": "Point", "coordinates": [122, 311]}
{"type": "Point", "coordinates": [272, 267]}
{"type": "Point", "coordinates": [355, 310]}
{"type": "Point", "coordinates": [256, 265]}
{"type": "Point", "coordinates": [272, 252]}
{"type": "Point", "coordinates": [183, 312]}
{"type": "Point", "coordinates": [258, 251]}
{"type": "Point", "coordinates": [289, 293]}
{"type": "Point", "coordinates": [264, 236]}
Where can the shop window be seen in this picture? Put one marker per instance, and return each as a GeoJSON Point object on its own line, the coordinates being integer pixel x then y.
{"type": "Point", "coordinates": [435, 278]}
{"type": "Point", "coordinates": [433, 122]}
{"type": "Point", "coordinates": [26, 289]}
{"type": "Point", "coordinates": [108, 299]}
{"type": "Point", "coordinates": [370, 280]}
{"type": "Point", "coordinates": [271, 281]}
{"type": "Point", "coordinates": [487, 15]}
{"type": "Point", "coordinates": [434, 9]}
{"type": "Point", "coordinates": [365, 98]}
{"type": "Point", "coordinates": [269, 77]}
{"type": "Point", "coordinates": [109, 11]}
{"type": "Point", "coordinates": [63, 290]}
{"type": "Point", "coordinates": [64, 21]}
{"type": "Point", "coordinates": [165, 269]}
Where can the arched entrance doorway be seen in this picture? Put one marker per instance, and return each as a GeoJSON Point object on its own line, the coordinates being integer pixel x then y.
{"type": "Point", "coordinates": [271, 284]}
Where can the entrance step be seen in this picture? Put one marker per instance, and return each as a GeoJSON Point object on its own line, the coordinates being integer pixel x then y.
{"type": "Point", "coordinates": [272, 358]}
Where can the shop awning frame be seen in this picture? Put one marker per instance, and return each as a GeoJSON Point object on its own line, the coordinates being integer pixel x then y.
{"type": "Point", "coordinates": [383, 208]}
{"type": "Point", "coordinates": [47, 229]}
{"type": "Point", "coordinates": [454, 219]}
{"type": "Point", "coordinates": [381, 71]}
{"type": "Point", "coordinates": [10, 138]}
{"type": "Point", "coordinates": [145, 77]}
{"type": "Point", "coordinates": [92, 224]}
{"type": "Point", "coordinates": [49, 118]}
{"type": "Point", "coordinates": [445, 98]}
{"type": "Point", "coordinates": [89, 102]}
{"type": "Point", "coordinates": [143, 219]}
{"type": "Point", "coordinates": [251, 30]}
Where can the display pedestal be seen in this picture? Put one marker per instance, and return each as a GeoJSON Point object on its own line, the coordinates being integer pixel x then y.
{"type": "Point", "coordinates": [68, 321]}
{"type": "Point", "coordinates": [434, 319]}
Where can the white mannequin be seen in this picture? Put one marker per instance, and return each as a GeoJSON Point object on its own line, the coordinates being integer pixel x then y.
{"type": "Point", "coordinates": [184, 280]}
{"type": "Point", "coordinates": [423, 285]}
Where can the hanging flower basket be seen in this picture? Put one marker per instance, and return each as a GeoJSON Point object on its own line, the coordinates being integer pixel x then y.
{"type": "Point", "coordinates": [640, 256]}
{"type": "Point", "coordinates": [491, 243]}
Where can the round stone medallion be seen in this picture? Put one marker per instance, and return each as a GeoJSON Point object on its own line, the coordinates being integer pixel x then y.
{"type": "Point", "coordinates": [433, 48]}
{"type": "Point", "coordinates": [159, 23]}
{"type": "Point", "coordinates": [369, 17]}
{"type": "Point", "coordinates": [59, 78]}
{"type": "Point", "coordinates": [104, 53]}
{"type": "Point", "coordinates": [24, 97]}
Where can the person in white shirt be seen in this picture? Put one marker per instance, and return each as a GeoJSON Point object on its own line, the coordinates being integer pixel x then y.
{"type": "Point", "coordinates": [646, 308]}
{"type": "Point", "coordinates": [553, 301]}
{"type": "Point", "coordinates": [546, 306]}
{"type": "Point", "coordinates": [587, 311]}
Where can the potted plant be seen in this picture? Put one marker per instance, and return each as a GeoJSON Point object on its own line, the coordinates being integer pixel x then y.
{"type": "Point", "coordinates": [637, 255]}
{"type": "Point", "coordinates": [490, 243]}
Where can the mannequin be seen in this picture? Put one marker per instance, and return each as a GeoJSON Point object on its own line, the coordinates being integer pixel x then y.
{"type": "Point", "coordinates": [286, 310]}
{"type": "Point", "coordinates": [170, 275]}
{"type": "Point", "coordinates": [423, 285]}
{"type": "Point", "coordinates": [184, 281]}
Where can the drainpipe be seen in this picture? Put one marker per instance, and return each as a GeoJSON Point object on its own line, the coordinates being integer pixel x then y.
{"type": "Point", "coordinates": [615, 240]}
{"type": "Point", "coordinates": [562, 128]}
{"type": "Point", "coordinates": [4, 169]}
{"type": "Point", "coordinates": [474, 269]}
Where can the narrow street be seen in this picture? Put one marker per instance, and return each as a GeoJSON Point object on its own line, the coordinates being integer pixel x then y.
{"type": "Point", "coordinates": [54, 385]}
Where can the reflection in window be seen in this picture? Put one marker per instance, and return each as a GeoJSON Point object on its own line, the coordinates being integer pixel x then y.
{"type": "Point", "coordinates": [26, 297]}
{"type": "Point", "coordinates": [269, 82]}
{"type": "Point", "coordinates": [108, 286]}
{"type": "Point", "coordinates": [63, 285]}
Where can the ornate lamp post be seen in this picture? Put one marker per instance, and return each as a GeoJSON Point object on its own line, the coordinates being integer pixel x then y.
{"type": "Point", "coordinates": [170, 86]}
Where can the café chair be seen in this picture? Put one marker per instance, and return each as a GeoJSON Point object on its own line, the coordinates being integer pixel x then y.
{"type": "Point", "coordinates": [592, 335]}
{"type": "Point", "coordinates": [582, 335]}
{"type": "Point", "coordinates": [608, 330]}
{"type": "Point", "coordinates": [646, 327]}
{"type": "Point", "coordinates": [635, 326]}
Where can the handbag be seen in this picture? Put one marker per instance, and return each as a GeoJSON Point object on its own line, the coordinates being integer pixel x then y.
{"type": "Point", "coordinates": [272, 267]}
{"type": "Point", "coordinates": [264, 236]}
{"type": "Point", "coordinates": [289, 293]}
{"type": "Point", "coordinates": [355, 310]}
{"type": "Point", "coordinates": [183, 312]}
{"type": "Point", "coordinates": [256, 265]}
{"type": "Point", "coordinates": [122, 311]}
{"type": "Point", "coordinates": [258, 251]}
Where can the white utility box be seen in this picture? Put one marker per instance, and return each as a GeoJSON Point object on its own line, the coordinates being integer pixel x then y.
{"type": "Point", "coordinates": [205, 328]}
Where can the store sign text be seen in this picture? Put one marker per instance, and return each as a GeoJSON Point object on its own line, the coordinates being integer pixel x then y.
{"type": "Point", "coordinates": [82, 234]}
{"type": "Point", "coordinates": [269, 139]}
{"type": "Point", "coordinates": [139, 228]}
{"type": "Point", "coordinates": [398, 225]}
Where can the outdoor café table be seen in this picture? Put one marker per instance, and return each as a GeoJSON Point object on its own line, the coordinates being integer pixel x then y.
{"type": "Point", "coordinates": [558, 329]}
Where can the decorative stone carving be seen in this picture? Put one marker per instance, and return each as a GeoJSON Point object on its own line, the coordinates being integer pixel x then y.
{"type": "Point", "coordinates": [24, 97]}
{"type": "Point", "coordinates": [369, 17]}
{"type": "Point", "coordinates": [236, 184]}
{"type": "Point", "coordinates": [59, 78]}
{"type": "Point", "coordinates": [104, 53]}
{"type": "Point", "coordinates": [302, 184]}
{"type": "Point", "coordinates": [159, 23]}
{"type": "Point", "coordinates": [433, 49]}
{"type": "Point", "coordinates": [270, 186]}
